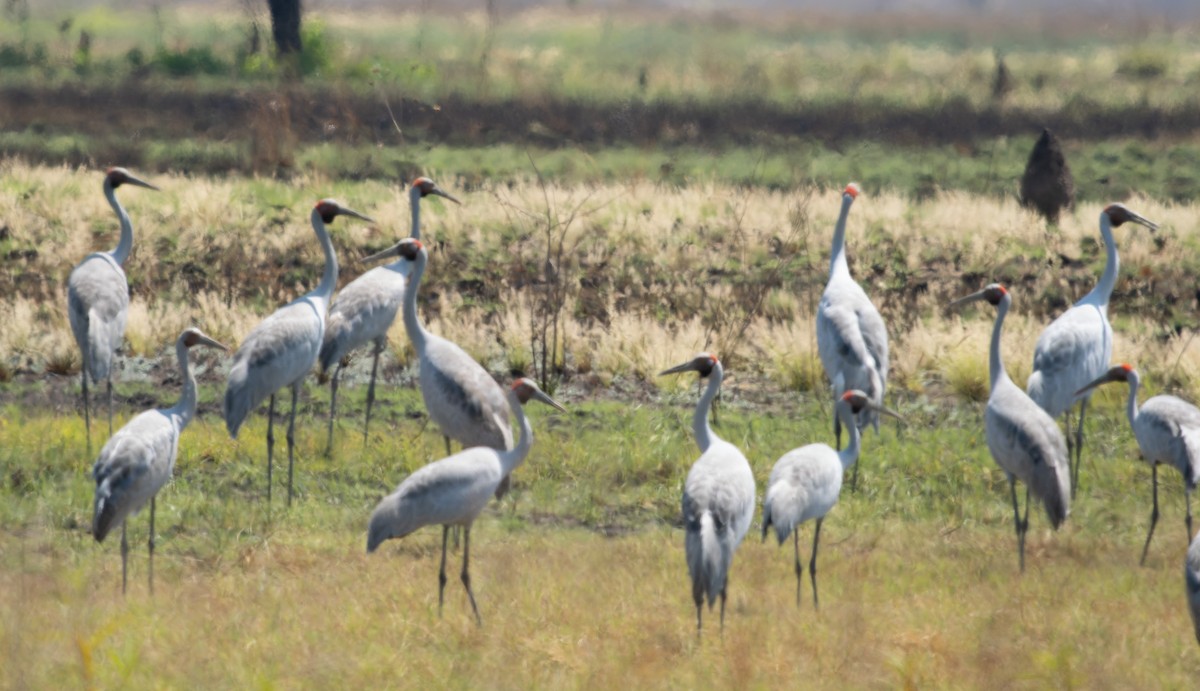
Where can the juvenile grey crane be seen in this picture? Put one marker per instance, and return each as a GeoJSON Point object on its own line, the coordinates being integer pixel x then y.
{"type": "Point", "coordinates": [1077, 346]}
{"type": "Point", "coordinates": [1023, 438]}
{"type": "Point", "coordinates": [282, 349]}
{"type": "Point", "coordinates": [1191, 575]}
{"type": "Point", "coordinates": [852, 340]}
{"type": "Point", "coordinates": [364, 310]}
{"type": "Point", "coordinates": [138, 460]}
{"type": "Point", "coordinates": [718, 497]}
{"type": "Point", "coordinates": [805, 484]}
{"type": "Point", "coordinates": [1167, 431]}
{"type": "Point", "coordinates": [462, 398]}
{"type": "Point", "coordinates": [98, 300]}
{"type": "Point", "coordinates": [454, 491]}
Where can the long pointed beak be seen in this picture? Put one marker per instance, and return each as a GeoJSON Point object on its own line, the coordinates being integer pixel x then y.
{"type": "Point", "coordinates": [1141, 220]}
{"type": "Point", "coordinates": [685, 367]}
{"type": "Point", "coordinates": [351, 212]}
{"type": "Point", "coordinates": [978, 295]}
{"type": "Point", "coordinates": [131, 180]}
{"type": "Point", "coordinates": [545, 398]}
{"type": "Point", "coordinates": [205, 340]}
{"type": "Point", "coordinates": [1102, 379]}
{"type": "Point", "coordinates": [380, 256]}
{"type": "Point", "coordinates": [441, 193]}
{"type": "Point", "coordinates": [885, 411]}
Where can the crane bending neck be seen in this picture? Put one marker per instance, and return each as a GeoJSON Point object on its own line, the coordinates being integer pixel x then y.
{"type": "Point", "coordinates": [995, 362]}
{"type": "Point", "coordinates": [185, 409]}
{"type": "Point", "coordinates": [837, 259]}
{"type": "Point", "coordinates": [704, 434]}
{"type": "Point", "coordinates": [416, 332]}
{"type": "Point", "coordinates": [125, 244]}
{"type": "Point", "coordinates": [329, 278]}
{"type": "Point", "coordinates": [1101, 294]}
{"type": "Point", "coordinates": [849, 454]}
{"type": "Point", "coordinates": [516, 456]}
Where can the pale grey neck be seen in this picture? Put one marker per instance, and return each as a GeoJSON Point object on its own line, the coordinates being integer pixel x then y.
{"type": "Point", "coordinates": [1131, 406]}
{"type": "Point", "coordinates": [185, 409]}
{"type": "Point", "coordinates": [837, 260]}
{"type": "Point", "coordinates": [1101, 294]}
{"type": "Point", "coordinates": [414, 197]}
{"type": "Point", "coordinates": [704, 433]}
{"type": "Point", "coordinates": [995, 362]}
{"type": "Point", "coordinates": [516, 456]}
{"type": "Point", "coordinates": [125, 244]}
{"type": "Point", "coordinates": [849, 454]}
{"type": "Point", "coordinates": [412, 325]}
{"type": "Point", "coordinates": [328, 279]}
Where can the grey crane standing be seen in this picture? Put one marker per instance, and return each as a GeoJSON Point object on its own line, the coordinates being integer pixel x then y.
{"type": "Point", "coordinates": [454, 491]}
{"type": "Point", "coordinates": [282, 349]}
{"type": "Point", "coordinates": [1025, 441]}
{"type": "Point", "coordinates": [461, 397]}
{"type": "Point", "coordinates": [805, 484]}
{"type": "Point", "coordinates": [718, 497]}
{"type": "Point", "coordinates": [852, 340]}
{"type": "Point", "coordinates": [364, 310]}
{"type": "Point", "coordinates": [1167, 431]}
{"type": "Point", "coordinates": [139, 459]}
{"type": "Point", "coordinates": [98, 300]}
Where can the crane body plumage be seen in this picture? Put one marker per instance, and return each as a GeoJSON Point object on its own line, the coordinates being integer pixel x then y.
{"type": "Point", "coordinates": [1191, 579]}
{"type": "Point", "coordinates": [718, 497]}
{"type": "Point", "coordinates": [139, 459]}
{"type": "Point", "coordinates": [1077, 346]}
{"type": "Point", "coordinates": [1022, 438]}
{"type": "Point", "coordinates": [852, 339]}
{"type": "Point", "coordinates": [98, 299]}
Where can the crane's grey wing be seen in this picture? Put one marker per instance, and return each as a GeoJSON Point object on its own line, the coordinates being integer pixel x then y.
{"type": "Point", "coordinates": [1071, 352]}
{"type": "Point", "coordinates": [1168, 431]}
{"type": "Point", "coordinates": [133, 465]}
{"type": "Point", "coordinates": [98, 307]}
{"type": "Point", "coordinates": [462, 398]}
{"type": "Point", "coordinates": [804, 484]}
{"type": "Point", "coordinates": [361, 313]}
{"type": "Point", "coordinates": [1026, 442]}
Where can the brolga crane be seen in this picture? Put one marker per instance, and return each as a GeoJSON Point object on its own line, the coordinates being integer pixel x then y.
{"type": "Point", "coordinates": [1191, 575]}
{"type": "Point", "coordinates": [1023, 438]}
{"type": "Point", "coordinates": [138, 460]}
{"type": "Point", "coordinates": [1077, 346]}
{"type": "Point", "coordinates": [364, 310]}
{"type": "Point", "coordinates": [805, 484]}
{"type": "Point", "coordinates": [852, 340]}
{"type": "Point", "coordinates": [718, 497]}
{"type": "Point", "coordinates": [282, 349]}
{"type": "Point", "coordinates": [461, 397]}
{"type": "Point", "coordinates": [454, 491]}
{"type": "Point", "coordinates": [1167, 431]}
{"type": "Point", "coordinates": [98, 300]}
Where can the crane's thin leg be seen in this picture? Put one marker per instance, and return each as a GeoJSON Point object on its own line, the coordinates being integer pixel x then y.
{"type": "Point", "coordinates": [812, 564]}
{"type": "Point", "coordinates": [466, 576]}
{"type": "Point", "coordinates": [151, 545]}
{"type": "Point", "coordinates": [442, 571]}
{"type": "Point", "coordinates": [1012, 486]}
{"type": "Point", "coordinates": [1153, 514]}
{"type": "Point", "coordinates": [454, 530]}
{"type": "Point", "coordinates": [291, 440]}
{"type": "Point", "coordinates": [698, 596]}
{"type": "Point", "coordinates": [447, 439]}
{"type": "Point", "coordinates": [270, 442]}
{"type": "Point", "coordinates": [854, 475]}
{"type": "Point", "coordinates": [1079, 444]}
{"type": "Point", "coordinates": [1024, 527]}
{"type": "Point", "coordinates": [1187, 493]}
{"type": "Point", "coordinates": [1072, 470]}
{"type": "Point", "coordinates": [108, 385]}
{"type": "Point", "coordinates": [371, 394]}
{"type": "Point", "coordinates": [87, 409]}
{"type": "Point", "coordinates": [333, 387]}
{"type": "Point", "coordinates": [723, 589]}
{"type": "Point", "coordinates": [799, 568]}
{"type": "Point", "coordinates": [124, 560]}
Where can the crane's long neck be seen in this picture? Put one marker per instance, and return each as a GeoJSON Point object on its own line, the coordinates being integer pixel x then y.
{"type": "Point", "coordinates": [416, 332]}
{"type": "Point", "coordinates": [414, 196]}
{"type": "Point", "coordinates": [329, 278]}
{"type": "Point", "coordinates": [125, 244]}
{"type": "Point", "coordinates": [515, 456]}
{"type": "Point", "coordinates": [995, 363]}
{"type": "Point", "coordinates": [1131, 407]}
{"type": "Point", "coordinates": [704, 434]}
{"type": "Point", "coordinates": [849, 454]}
{"type": "Point", "coordinates": [1101, 294]}
{"type": "Point", "coordinates": [837, 260]}
{"type": "Point", "coordinates": [185, 409]}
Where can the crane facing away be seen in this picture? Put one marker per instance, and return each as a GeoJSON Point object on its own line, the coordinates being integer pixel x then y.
{"type": "Point", "coordinates": [1077, 346]}
{"type": "Point", "coordinates": [805, 484]}
{"type": "Point", "coordinates": [138, 460]}
{"type": "Point", "coordinates": [98, 300]}
{"type": "Point", "coordinates": [718, 497]}
{"type": "Point", "coordinates": [461, 397]}
{"type": "Point", "coordinates": [364, 310]}
{"type": "Point", "coordinates": [1023, 438]}
{"type": "Point", "coordinates": [852, 340]}
{"type": "Point", "coordinates": [454, 491]}
{"type": "Point", "coordinates": [1167, 431]}
{"type": "Point", "coordinates": [282, 349]}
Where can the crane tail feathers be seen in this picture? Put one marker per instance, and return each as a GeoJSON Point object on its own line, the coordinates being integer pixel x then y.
{"type": "Point", "coordinates": [103, 518]}
{"type": "Point", "coordinates": [707, 558]}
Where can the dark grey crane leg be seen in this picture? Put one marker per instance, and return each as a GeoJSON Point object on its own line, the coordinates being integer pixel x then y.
{"type": "Point", "coordinates": [333, 387]}
{"type": "Point", "coordinates": [723, 589]}
{"type": "Point", "coordinates": [442, 571]}
{"type": "Point", "coordinates": [799, 567]}
{"type": "Point", "coordinates": [87, 408]}
{"type": "Point", "coordinates": [453, 530]}
{"type": "Point", "coordinates": [1187, 493]}
{"type": "Point", "coordinates": [291, 440]}
{"type": "Point", "coordinates": [371, 393]}
{"type": "Point", "coordinates": [108, 385]}
{"type": "Point", "coordinates": [1079, 446]}
{"type": "Point", "coordinates": [698, 596]}
{"type": "Point", "coordinates": [1154, 513]}
{"type": "Point", "coordinates": [812, 564]}
{"type": "Point", "coordinates": [466, 575]}
{"type": "Point", "coordinates": [124, 560]}
{"type": "Point", "coordinates": [150, 544]}
{"type": "Point", "coordinates": [1072, 471]}
{"type": "Point", "coordinates": [1012, 486]}
{"type": "Point", "coordinates": [270, 442]}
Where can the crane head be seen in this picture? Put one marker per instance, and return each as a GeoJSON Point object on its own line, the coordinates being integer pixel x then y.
{"type": "Point", "coordinates": [423, 187]}
{"type": "Point", "coordinates": [704, 363]}
{"type": "Point", "coordinates": [1119, 214]}
{"type": "Point", "coordinates": [526, 389]}
{"type": "Point", "coordinates": [859, 400]}
{"type": "Point", "coordinates": [852, 190]}
{"type": "Point", "coordinates": [329, 209]}
{"type": "Point", "coordinates": [994, 294]}
{"type": "Point", "coordinates": [1123, 372]}
{"type": "Point", "coordinates": [194, 337]}
{"type": "Point", "coordinates": [408, 248]}
{"type": "Point", "coordinates": [117, 176]}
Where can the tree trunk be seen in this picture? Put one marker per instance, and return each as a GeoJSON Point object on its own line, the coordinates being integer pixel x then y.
{"type": "Point", "coordinates": [285, 25]}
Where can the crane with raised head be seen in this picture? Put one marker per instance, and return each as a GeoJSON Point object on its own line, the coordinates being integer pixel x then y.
{"type": "Point", "coordinates": [852, 339]}
{"type": "Point", "coordinates": [1077, 346]}
{"type": "Point", "coordinates": [98, 300]}
{"type": "Point", "coordinates": [718, 497]}
{"type": "Point", "coordinates": [805, 484]}
{"type": "Point", "coordinates": [282, 349]}
{"type": "Point", "coordinates": [1023, 439]}
{"type": "Point", "coordinates": [463, 400]}
{"type": "Point", "coordinates": [1167, 429]}
{"type": "Point", "coordinates": [454, 491]}
{"type": "Point", "coordinates": [139, 459]}
{"type": "Point", "coordinates": [364, 310]}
